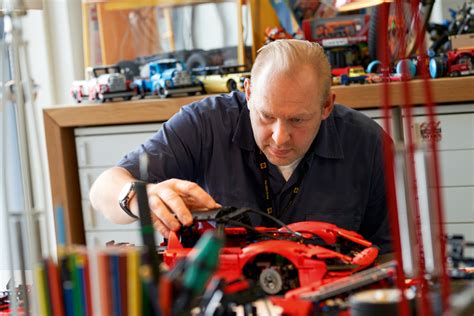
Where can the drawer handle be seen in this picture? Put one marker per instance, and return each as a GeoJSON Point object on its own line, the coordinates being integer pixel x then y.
{"type": "Point", "coordinates": [93, 220]}
{"type": "Point", "coordinates": [90, 181]}
{"type": "Point", "coordinates": [82, 154]}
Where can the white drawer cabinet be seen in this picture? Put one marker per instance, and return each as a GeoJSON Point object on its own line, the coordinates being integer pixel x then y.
{"type": "Point", "coordinates": [106, 150]}
{"type": "Point", "coordinates": [454, 129]}
{"type": "Point", "coordinates": [457, 168]}
{"type": "Point", "coordinates": [99, 148]}
{"type": "Point", "coordinates": [459, 204]}
{"type": "Point", "coordinates": [455, 125]}
{"type": "Point", "coordinates": [87, 177]}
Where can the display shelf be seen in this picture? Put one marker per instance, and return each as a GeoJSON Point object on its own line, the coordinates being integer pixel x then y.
{"type": "Point", "coordinates": [105, 23]}
{"type": "Point", "coordinates": [60, 122]}
{"type": "Point", "coordinates": [444, 90]}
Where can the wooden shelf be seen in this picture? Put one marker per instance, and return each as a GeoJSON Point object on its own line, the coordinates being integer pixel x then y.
{"type": "Point", "coordinates": [444, 90]}
{"type": "Point", "coordinates": [60, 122]}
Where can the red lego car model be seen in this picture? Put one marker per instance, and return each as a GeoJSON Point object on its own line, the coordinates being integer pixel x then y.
{"type": "Point", "coordinates": [279, 260]}
{"type": "Point", "coordinates": [455, 63]}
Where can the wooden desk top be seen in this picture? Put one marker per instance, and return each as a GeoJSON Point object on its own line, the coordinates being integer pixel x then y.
{"type": "Point", "coordinates": [60, 122]}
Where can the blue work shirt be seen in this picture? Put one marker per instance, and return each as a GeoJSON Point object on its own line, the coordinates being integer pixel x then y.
{"type": "Point", "coordinates": [211, 142]}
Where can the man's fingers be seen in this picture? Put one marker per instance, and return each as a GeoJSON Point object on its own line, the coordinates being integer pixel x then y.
{"type": "Point", "coordinates": [191, 190]}
{"type": "Point", "coordinates": [161, 211]}
{"type": "Point", "coordinates": [161, 228]}
{"type": "Point", "coordinates": [174, 202]}
{"type": "Point", "coordinates": [176, 197]}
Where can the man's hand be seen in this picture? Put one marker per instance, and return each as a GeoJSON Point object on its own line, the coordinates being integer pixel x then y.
{"type": "Point", "coordinates": [171, 202]}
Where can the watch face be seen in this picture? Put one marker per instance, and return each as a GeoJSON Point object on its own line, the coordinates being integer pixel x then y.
{"type": "Point", "coordinates": [125, 191]}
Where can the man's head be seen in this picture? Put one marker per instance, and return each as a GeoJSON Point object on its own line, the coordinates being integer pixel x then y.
{"type": "Point", "coordinates": [288, 97]}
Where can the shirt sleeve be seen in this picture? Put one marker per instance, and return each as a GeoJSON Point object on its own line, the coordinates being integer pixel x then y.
{"type": "Point", "coordinates": [375, 223]}
{"type": "Point", "coordinates": [173, 152]}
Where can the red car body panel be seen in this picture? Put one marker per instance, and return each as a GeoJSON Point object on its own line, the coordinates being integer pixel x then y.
{"type": "Point", "coordinates": [311, 261]}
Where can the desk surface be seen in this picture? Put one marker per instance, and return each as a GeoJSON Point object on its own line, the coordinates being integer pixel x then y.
{"type": "Point", "coordinates": [60, 122]}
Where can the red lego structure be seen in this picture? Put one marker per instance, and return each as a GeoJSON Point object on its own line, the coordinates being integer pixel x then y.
{"type": "Point", "coordinates": [282, 259]}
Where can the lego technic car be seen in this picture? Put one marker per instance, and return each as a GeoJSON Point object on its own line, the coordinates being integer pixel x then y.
{"type": "Point", "coordinates": [222, 79]}
{"type": "Point", "coordinates": [103, 83]}
{"type": "Point", "coordinates": [278, 259]}
{"type": "Point", "coordinates": [455, 63]}
{"type": "Point", "coordinates": [168, 77]}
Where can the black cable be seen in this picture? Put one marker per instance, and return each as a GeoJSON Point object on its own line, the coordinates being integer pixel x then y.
{"type": "Point", "coordinates": [276, 220]}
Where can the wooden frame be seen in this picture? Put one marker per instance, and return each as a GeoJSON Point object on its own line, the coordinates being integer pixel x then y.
{"type": "Point", "coordinates": [60, 123]}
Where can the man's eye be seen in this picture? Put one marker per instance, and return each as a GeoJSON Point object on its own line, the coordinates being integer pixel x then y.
{"type": "Point", "coordinates": [297, 120]}
{"type": "Point", "coordinates": [266, 117]}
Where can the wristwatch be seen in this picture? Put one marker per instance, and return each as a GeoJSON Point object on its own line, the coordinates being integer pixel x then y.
{"type": "Point", "coordinates": [124, 197]}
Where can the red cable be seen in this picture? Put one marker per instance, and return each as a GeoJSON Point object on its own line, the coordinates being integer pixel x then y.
{"type": "Point", "coordinates": [445, 290]}
{"type": "Point", "coordinates": [424, 306]}
{"type": "Point", "coordinates": [389, 160]}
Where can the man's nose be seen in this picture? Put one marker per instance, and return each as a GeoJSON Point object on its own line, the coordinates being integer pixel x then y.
{"type": "Point", "coordinates": [281, 133]}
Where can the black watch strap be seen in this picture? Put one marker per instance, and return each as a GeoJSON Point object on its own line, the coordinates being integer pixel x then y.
{"type": "Point", "coordinates": [124, 200]}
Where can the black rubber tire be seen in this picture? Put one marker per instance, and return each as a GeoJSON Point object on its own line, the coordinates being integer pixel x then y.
{"type": "Point", "coordinates": [437, 63]}
{"type": "Point", "coordinates": [271, 281]}
{"type": "Point", "coordinates": [231, 85]}
{"type": "Point", "coordinates": [76, 97]}
{"type": "Point", "coordinates": [101, 98]}
{"type": "Point", "coordinates": [376, 20]}
{"type": "Point", "coordinates": [196, 60]}
{"type": "Point", "coordinates": [161, 93]}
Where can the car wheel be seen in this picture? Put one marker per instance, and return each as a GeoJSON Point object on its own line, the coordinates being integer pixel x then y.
{"type": "Point", "coordinates": [231, 85]}
{"type": "Point", "coordinates": [271, 281]}
{"type": "Point", "coordinates": [374, 67]}
{"type": "Point", "coordinates": [406, 67]}
{"type": "Point", "coordinates": [76, 97]}
{"type": "Point", "coordinates": [436, 67]}
{"type": "Point", "coordinates": [161, 92]}
{"type": "Point", "coordinates": [196, 60]}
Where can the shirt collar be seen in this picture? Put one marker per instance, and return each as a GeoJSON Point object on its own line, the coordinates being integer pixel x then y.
{"type": "Point", "coordinates": [326, 144]}
{"type": "Point", "coordinates": [243, 135]}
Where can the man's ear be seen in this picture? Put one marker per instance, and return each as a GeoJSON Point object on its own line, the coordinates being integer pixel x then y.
{"type": "Point", "coordinates": [247, 89]}
{"type": "Point", "coordinates": [328, 106]}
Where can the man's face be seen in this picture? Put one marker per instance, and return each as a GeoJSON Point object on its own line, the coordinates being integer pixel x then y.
{"type": "Point", "coordinates": [286, 111]}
